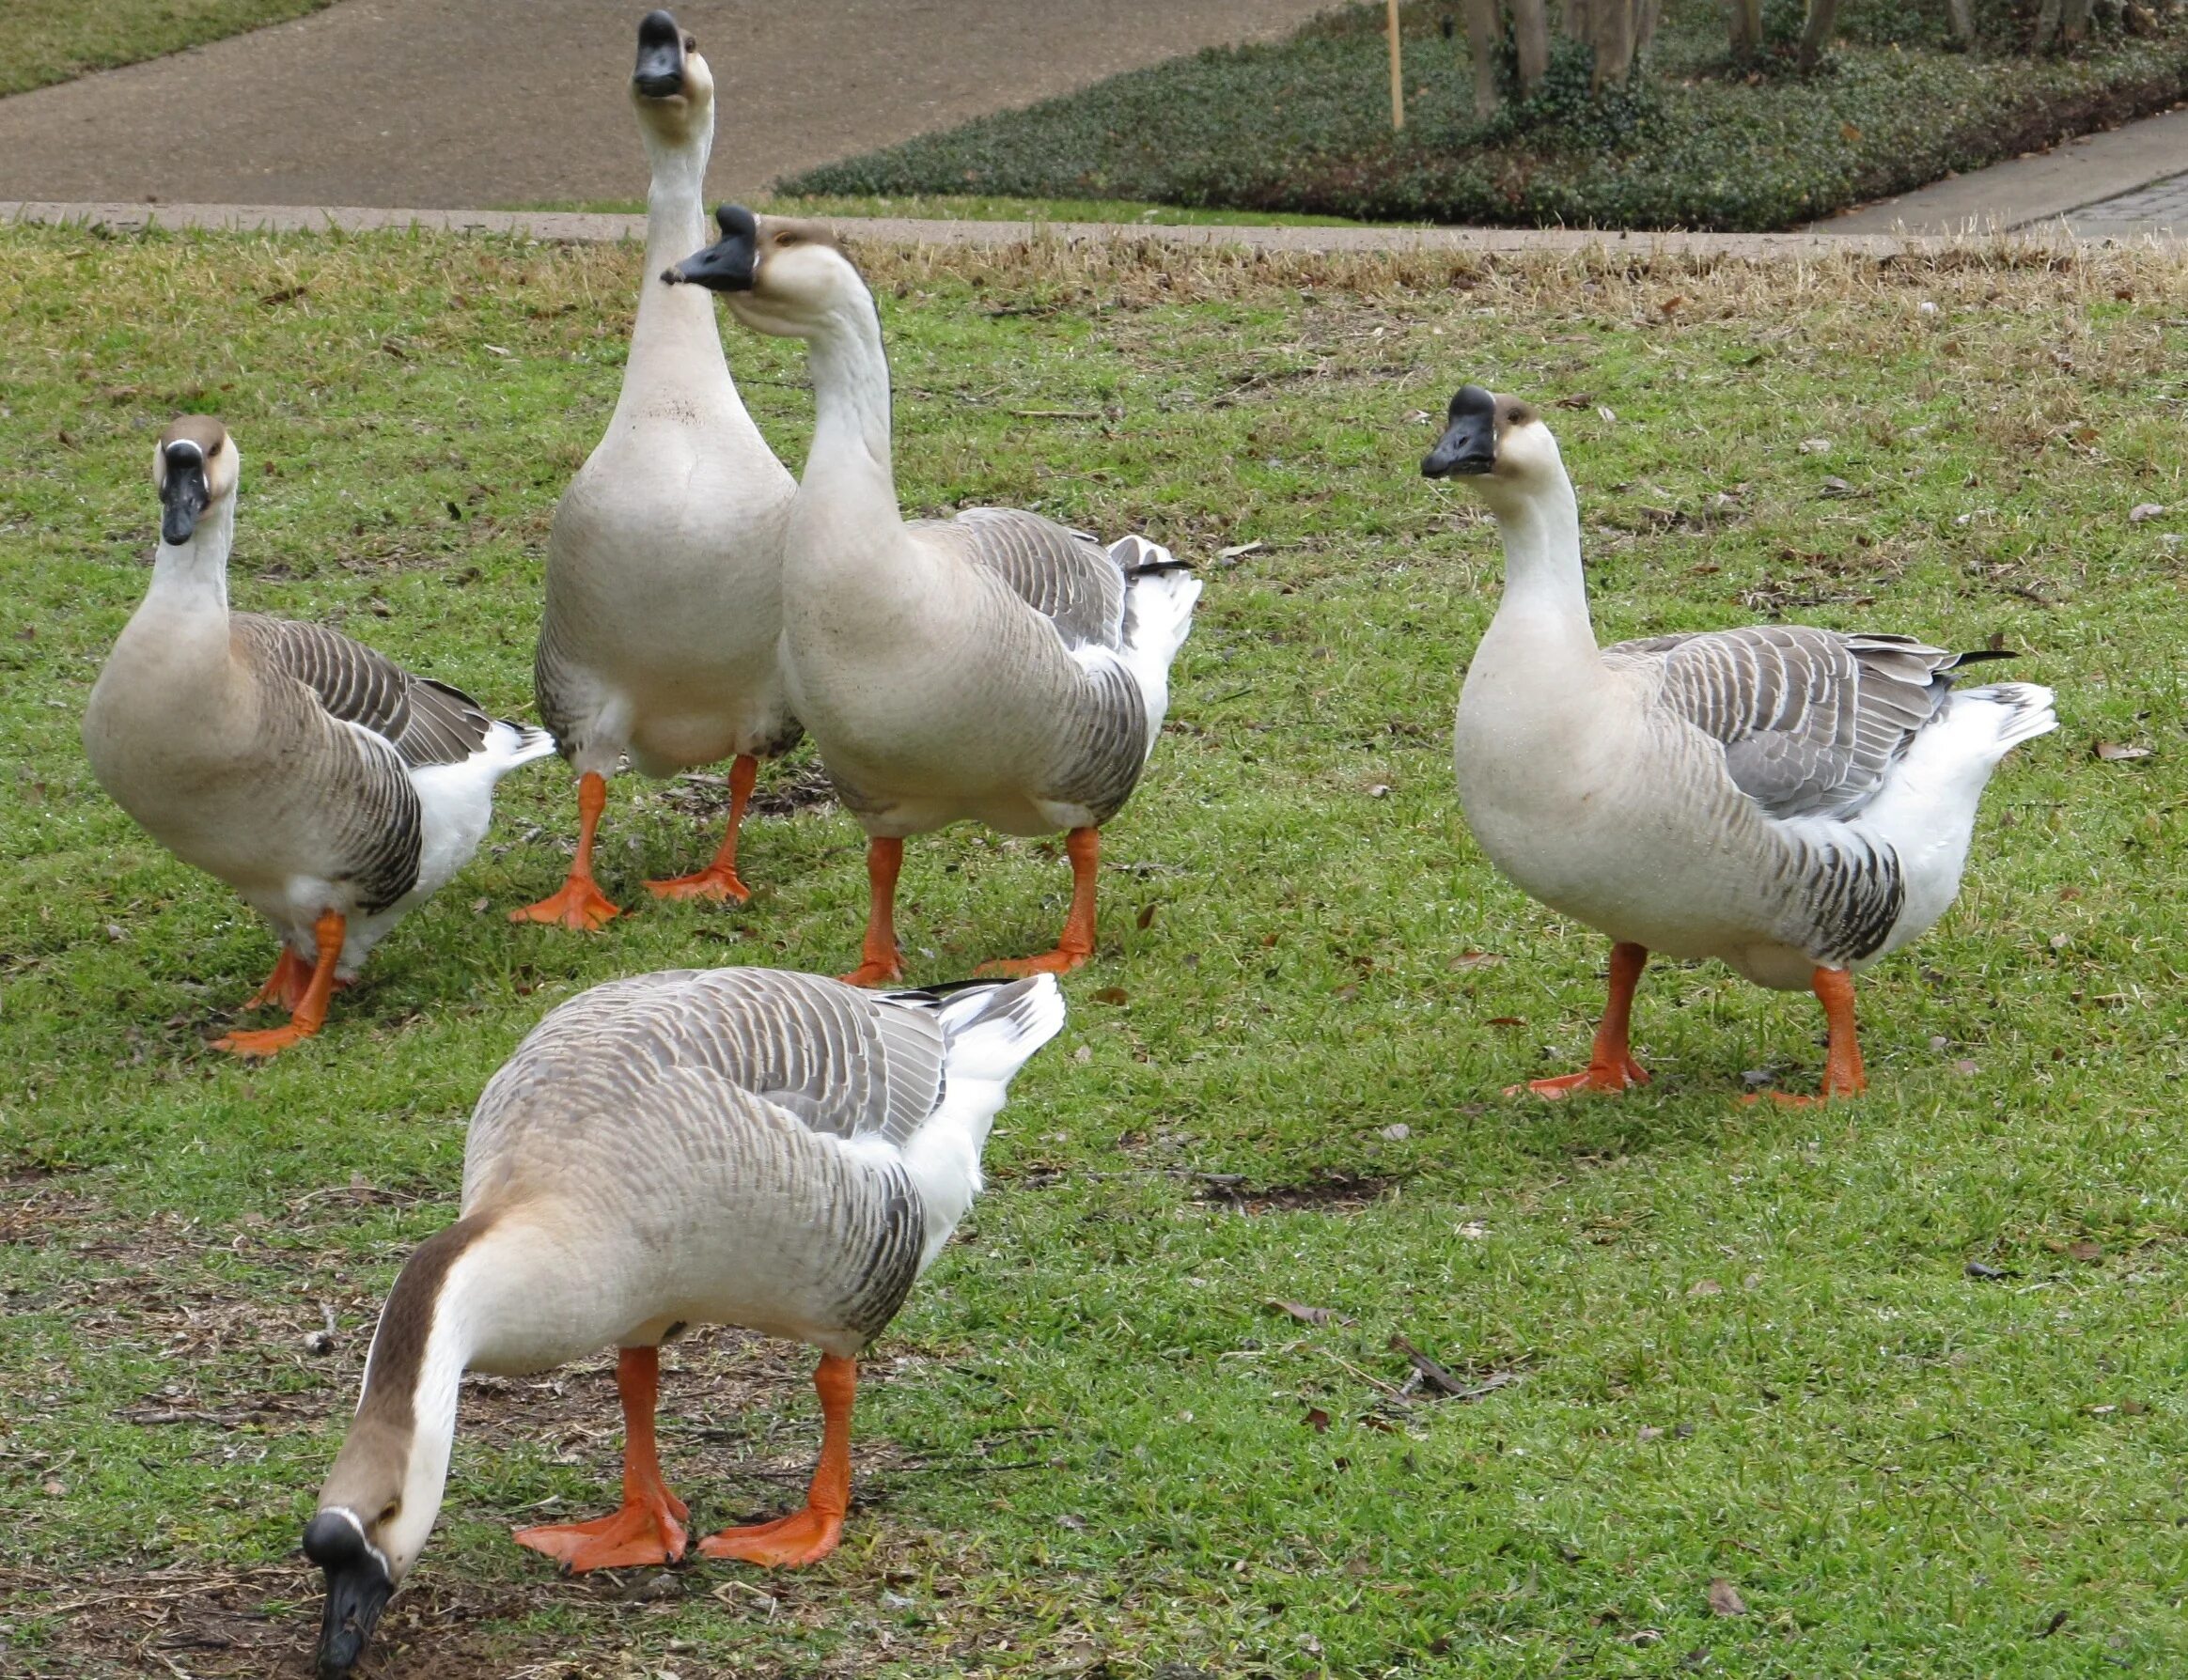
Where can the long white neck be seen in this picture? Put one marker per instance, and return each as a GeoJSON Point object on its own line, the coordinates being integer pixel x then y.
{"type": "Point", "coordinates": [675, 340]}
{"type": "Point", "coordinates": [848, 468]}
{"type": "Point", "coordinates": [191, 576]}
{"type": "Point", "coordinates": [1546, 593]}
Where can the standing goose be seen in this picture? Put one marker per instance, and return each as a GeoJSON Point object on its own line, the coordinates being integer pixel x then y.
{"type": "Point", "coordinates": [663, 603]}
{"type": "Point", "coordinates": [735, 1147]}
{"type": "Point", "coordinates": [997, 666]}
{"type": "Point", "coordinates": [327, 784]}
{"type": "Point", "coordinates": [1795, 802]}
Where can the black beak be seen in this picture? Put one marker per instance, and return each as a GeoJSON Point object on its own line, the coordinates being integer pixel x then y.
{"type": "Point", "coordinates": [357, 1591]}
{"type": "Point", "coordinates": [1468, 445]}
{"type": "Point", "coordinates": [728, 264]}
{"type": "Point", "coordinates": [183, 494]}
{"type": "Point", "coordinates": [660, 75]}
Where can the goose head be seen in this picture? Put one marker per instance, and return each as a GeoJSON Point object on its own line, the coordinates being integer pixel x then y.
{"type": "Point", "coordinates": [782, 276]}
{"type": "Point", "coordinates": [671, 86]}
{"type": "Point", "coordinates": [194, 468]}
{"type": "Point", "coordinates": [1499, 441]}
{"type": "Point", "coordinates": [374, 1513]}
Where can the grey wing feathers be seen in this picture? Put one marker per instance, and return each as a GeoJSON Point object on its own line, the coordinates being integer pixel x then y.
{"type": "Point", "coordinates": [425, 722]}
{"type": "Point", "coordinates": [1065, 575]}
{"type": "Point", "coordinates": [843, 1061]}
{"type": "Point", "coordinates": [1811, 720]}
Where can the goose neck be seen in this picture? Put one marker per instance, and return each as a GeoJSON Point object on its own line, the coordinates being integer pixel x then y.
{"type": "Point", "coordinates": [191, 576]}
{"type": "Point", "coordinates": [676, 225]}
{"type": "Point", "coordinates": [1545, 585]}
{"type": "Point", "coordinates": [851, 455]}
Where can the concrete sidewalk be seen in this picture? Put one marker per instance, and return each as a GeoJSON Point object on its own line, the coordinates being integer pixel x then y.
{"type": "Point", "coordinates": [2129, 181]}
{"type": "Point", "coordinates": [584, 228]}
{"type": "Point", "coordinates": [453, 102]}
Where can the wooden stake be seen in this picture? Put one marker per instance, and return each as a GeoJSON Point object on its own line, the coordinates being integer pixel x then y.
{"type": "Point", "coordinates": [1397, 68]}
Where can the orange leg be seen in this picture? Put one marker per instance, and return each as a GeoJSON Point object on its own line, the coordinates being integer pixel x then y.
{"type": "Point", "coordinates": [1611, 1065]}
{"type": "Point", "coordinates": [878, 964]}
{"type": "Point", "coordinates": [1076, 944]}
{"type": "Point", "coordinates": [1842, 1074]}
{"type": "Point", "coordinates": [311, 1013]}
{"type": "Point", "coordinates": [580, 905]}
{"type": "Point", "coordinates": [806, 1537]}
{"type": "Point", "coordinates": [719, 880]}
{"type": "Point", "coordinates": [649, 1527]}
{"type": "Point", "coordinates": [287, 985]}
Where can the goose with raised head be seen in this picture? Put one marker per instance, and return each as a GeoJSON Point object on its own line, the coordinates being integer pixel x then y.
{"type": "Point", "coordinates": [1794, 803]}
{"type": "Point", "coordinates": [997, 666]}
{"type": "Point", "coordinates": [328, 786]}
{"type": "Point", "coordinates": [663, 607]}
{"type": "Point", "coordinates": [731, 1146]}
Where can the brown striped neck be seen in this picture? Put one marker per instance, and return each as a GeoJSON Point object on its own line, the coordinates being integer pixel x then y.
{"type": "Point", "coordinates": [389, 1475]}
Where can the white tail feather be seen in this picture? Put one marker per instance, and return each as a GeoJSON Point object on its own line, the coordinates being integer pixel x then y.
{"type": "Point", "coordinates": [1159, 598]}
{"type": "Point", "coordinates": [509, 745]}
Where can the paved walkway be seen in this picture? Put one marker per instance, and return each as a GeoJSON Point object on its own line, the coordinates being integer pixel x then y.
{"type": "Point", "coordinates": [447, 103]}
{"type": "Point", "coordinates": [2129, 181]}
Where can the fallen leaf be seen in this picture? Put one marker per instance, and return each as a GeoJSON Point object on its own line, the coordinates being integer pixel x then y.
{"type": "Point", "coordinates": [1507, 1020]}
{"type": "Point", "coordinates": [1607, 415]}
{"type": "Point", "coordinates": [1982, 1273]}
{"type": "Point", "coordinates": [1475, 960]}
{"type": "Point", "coordinates": [1996, 644]}
{"type": "Point", "coordinates": [1706, 1286]}
{"type": "Point", "coordinates": [1839, 487]}
{"type": "Point", "coordinates": [1378, 790]}
{"type": "Point", "coordinates": [1670, 304]}
{"type": "Point", "coordinates": [1814, 446]}
{"type": "Point", "coordinates": [1398, 1131]}
{"type": "Point", "coordinates": [1305, 1314]}
{"type": "Point", "coordinates": [2144, 510]}
{"type": "Point", "coordinates": [1083, 1053]}
{"type": "Point", "coordinates": [1112, 994]}
{"type": "Point", "coordinates": [1235, 555]}
{"type": "Point", "coordinates": [1316, 1420]}
{"type": "Point", "coordinates": [2114, 752]}
{"type": "Point", "coordinates": [1847, 133]}
{"type": "Point", "coordinates": [2087, 1253]}
{"type": "Point", "coordinates": [54, 1488]}
{"type": "Point", "coordinates": [1649, 1432]}
{"type": "Point", "coordinates": [1146, 919]}
{"type": "Point", "coordinates": [1965, 1069]}
{"type": "Point", "coordinates": [1725, 1598]}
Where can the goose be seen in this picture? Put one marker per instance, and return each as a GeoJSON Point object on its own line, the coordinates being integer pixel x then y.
{"type": "Point", "coordinates": [1794, 803]}
{"type": "Point", "coordinates": [664, 609]}
{"type": "Point", "coordinates": [328, 786]}
{"type": "Point", "coordinates": [997, 667]}
{"type": "Point", "coordinates": [742, 1146]}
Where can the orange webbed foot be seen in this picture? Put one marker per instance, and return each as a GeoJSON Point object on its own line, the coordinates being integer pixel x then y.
{"type": "Point", "coordinates": [286, 986]}
{"type": "Point", "coordinates": [873, 972]}
{"type": "Point", "coordinates": [1058, 961]}
{"type": "Point", "coordinates": [788, 1543]}
{"type": "Point", "coordinates": [1608, 1078]}
{"type": "Point", "coordinates": [265, 1041]}
{"type": "Point", "coordinates": [712, 882]}
{"type": "Point", "coordinates": [579, 906]}
{"type": "Point", "coordinates": [634, 1537]}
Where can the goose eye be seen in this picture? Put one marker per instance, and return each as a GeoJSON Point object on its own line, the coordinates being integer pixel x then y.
{"type": "Point", "coordinates": [786, 239]}
{"type": "Point", "coordinates": [388, 1515]}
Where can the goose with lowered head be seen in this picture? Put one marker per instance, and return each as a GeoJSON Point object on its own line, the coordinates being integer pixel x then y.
{"type": "Point", "coordinates": [328, 786]}
{"type": "Point", "coordinates": [997, 667]}
{"type": "Point", "coordinates": [1794, 803]}
{"type": "Point", "coordinates": [658, 641]}
{"type": "Point", "coordinates": [736, 1147]}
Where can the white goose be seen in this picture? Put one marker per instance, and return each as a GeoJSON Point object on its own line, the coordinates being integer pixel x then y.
{"type": "Point", "coordinates": [327, 784]}
{"type": "Point", "coordinates": [1795, 802]}
{"type": "Point", "coordinates": [663, 608]}
{"type": "Point", "coordinates": [736, 1147]}
{"type": "Point", "coordinates": [997, 667]}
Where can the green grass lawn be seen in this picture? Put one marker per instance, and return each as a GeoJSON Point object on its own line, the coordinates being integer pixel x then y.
{"type": "Point", "coordinates": [1718, 1344]}
{"type": "Point", "coordinates": [44, 41]}
{"type": "Point", "coordinates": [1303, 124]}
{"type": "Point", "coordinates": [945, 207]}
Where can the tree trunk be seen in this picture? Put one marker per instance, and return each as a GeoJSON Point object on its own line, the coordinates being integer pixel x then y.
{"type": "Point", "coordinates": [1531, 41]}
{"type": "Point", "coordinates": [2047, 27]}
{"type": "Point", "coordinates": [1484, 34]}
{"type": "Point", "coordinates": [1960, 16]}
{"type": "Point", "coordinates": [2073, 21]}
{"type": "Point", "coordinates": [1645, 19]}
{"type": "Point", "coordinates": [1611, 34]}
{"type": "Point", "coordinates": [1816, 33]}
{"type": "Point", "coordinates": [1746, 28]}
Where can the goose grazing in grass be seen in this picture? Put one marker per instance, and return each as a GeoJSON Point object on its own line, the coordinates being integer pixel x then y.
{"type": "Point", "coordinates": [663, 607]}
{"type": "Point", "coordinates": [327, 784]}
{"type": "Point", "coordinates": [1795, 802]}
{"type": "Point", "coordinates": [997, 667]}
{"type": "Point", "coordinates": [736, 1147]}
